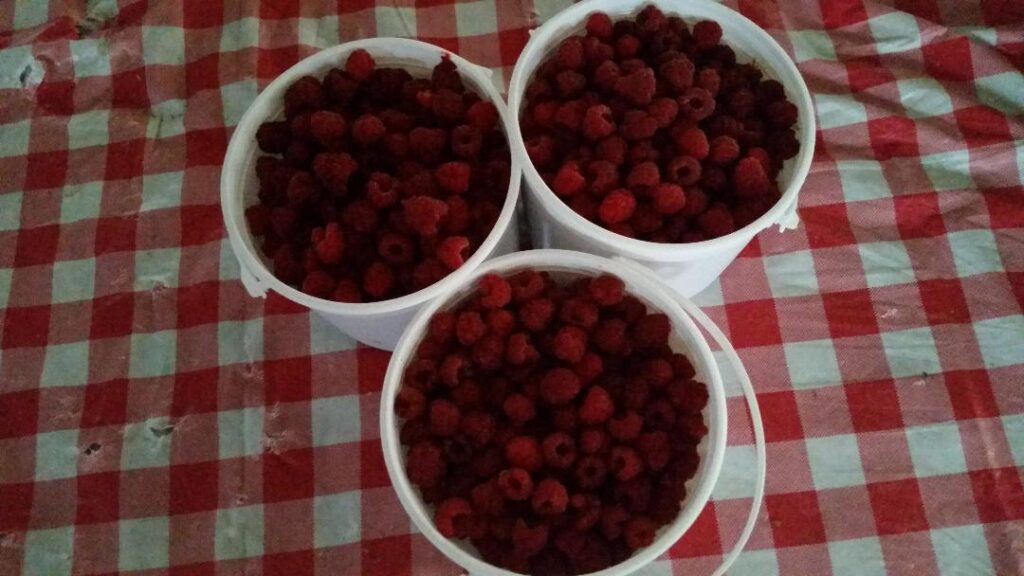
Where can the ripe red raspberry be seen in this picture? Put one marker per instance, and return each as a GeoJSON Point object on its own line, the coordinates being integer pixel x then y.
{"type": "Point", "coordinates": [716, 221]}
{"type": "Point", "coordinates": [495, 291]}
{"type": "Point", "coordinates": [378, 280]}
{"type": "Point", "coordinates": [640, 531]}
{"type": "Point", "coordinates": [696, 104]}
{"type": "Point", "coordinates": [612, 149]}
{"type": "Point", "coordinates": [528, 541]}
{"type": "Point", "coordinates": [489, 352]}
{"type": "Point", "coordinates": [360, 64]}
{"type": "Point", "coordinates": [570, 344]}
{"type": "Point", "coordinates": [448, 106]}
{"type": "Point", "coordinates": [559, 386]}
{"type": "Point", "coordinates": [724, 150]}
{"type": "Point", "coordinates": [301, 188]}
{"type": "Point", "coordinates": [549, 497]}
{"type": "Point", "coordinates": [654, 448]}
{"type": "Point", "coordinates": [598, 122]}
{"type": "Point", "coordinates": [544, 113]}
{"type": "Point", "coordinates": [520, 350]}
{"type": "Point", "coordinates": [450, 516]}
{"type": "Point", "coordinates": [696, 203]}
{"type": "Point", "coordinates": [599, 25]}
{"type": "Point", "coordinates": [688, 395]}
{"type": "Point", "coordinates": [570, 83]}
{"type": "Point", "coordinates": [519, 409]}
{"type": "Point", "coordinates": [706, 34]}
{"type": "Point", "coordinates": [413, 431]}
{"type": "Point", "coordinates": [527, 285]}
{"type": "Point", "coordinates": [761, 155]}
{"type": "Point", "coordinates": [570, 53]}
{"type": "Point", "coordinates": [368, 129]}
{"type": "Point", "coordinates": [453, 176]}
{"type": "Point", "coordinates": [664, 111]}
{"type": "Point", "coordinates": [478, 427]}
{"type": "Point", "coordinates": [466, 141]}
{"type": "Point", "coordinates": [427, 142]}
{"type": "Point", "coordinates": [624, 463]}
{"type": "Point", "coordinates": [467, 395]}
{"type": "Point", "coordinates": [656, 371]}
{"type": "Point", "coordinates": [515, 484]}
{"type": "Point", "coordinates": [444, 418]}
{"type": "Point", "coordinates": [570, 114]}
{"type": "Point", "coordinates": [568, 181]}
{"type": "Point", "coordinates": [604, 177]}
{"type": "Point", "coordinates": [637, 87]}
{"type": "Point", "coordinates": [741, 104]}
{"type": "Point", "coordinates": [708, 79]}
{"type": "Point", "coordinates": [381, 190]}
{"type": "Point", "coordinates": [594, 441]}
{"type": "Point", "coordinates": [681, 366]}
{"type": "Point", "coordinates": [487, 499]}
{"type": "Point", "coordinates": [677, 73]}
{"type": "Point", "coordinates": [626, 426]}
{"type": "Point", "coordinates": [454, 369]}
{"type": "Point", "coordinates": [272, 137]}
{"type": "Point", "coordinates": [627, 46]}
{"type": "Point", "coordinates": [318, 283]}
{"type": "Point", "coordinates": [451, 251]}
{"type": "Point", "coordinates": [652, 330]}
{"type": "Point", "coordinates": [669, 198]}
{"type": "Point", "coordinates": [692, 142]}
{"type": "Point", "coordinates": [346, 291]}
{"type": "Point", "coordinates": [305, 94]}
{"type": "Point", "coordinates": [483, 115]}
{"type": "Point", "coordinates": [425, 464]}
{"type": "Point", "coordinates": [540, 150]}
{"type": "Point", "coordinates": [329, 244]}
{"type": "Point", "coordinates": [535, 314]}
{"type": "Point", "coordinates": [328, 128]}
{"type": "Point", "coordinates": [597, 406]}
{"type": "Point", "coordinates": [559, 450]}
{"type": "Point", "coordinates": [578, 312]}
{"type": "Point", "coordinates": [606, 290]}
{"type": "Point", "coordinates": [469, 327]}
{"type": "Point", "coordinates": [782, 114]}
{"type": "Point", "coordinates": [636, 394]}
{"type": "Point", "coordinates": [610, 336]}
{"type": "Point", "coordinates": [524, 452]}
{"type": "Point", "coordinates": [606, 74]}
{"type": "Point", "coordinates": [589, 367]}
{"type": "Point", "coordinates": [590, 472]}
{"type": "Point", "coordinates": [423, 214]}
{"type": "Point", "coordinates": [617, 206]}
{"type": "Point", "coordinates": [564, 419]}
{"type": "Point", "coordinates": [643, 174]}
{"type": "Point", "coordinates": [749, 180]}
{"type": "Point", "coordinates": [613, 521]}
{"type": "Point", "coordinates": [683, 170]}
{"type": "Point", "coordinates": [638, 125]}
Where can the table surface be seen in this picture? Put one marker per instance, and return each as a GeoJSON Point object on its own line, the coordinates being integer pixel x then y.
{"type": "Point", "coordinates": [154, 417]}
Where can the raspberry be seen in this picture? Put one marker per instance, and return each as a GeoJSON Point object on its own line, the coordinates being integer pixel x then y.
{"type": "Point", "coordinates": [425, 464]}
{"type": "Point", "coordinates": [466, 141]}
{"type": "Point", "coordinates": [606, 74]}
{"type": "Point", "coordinates": [559, 450]}
{"type": "Point", "coordinates": [604, 176]}
{"type": "Point", "coordinates": [453, 176]}
{"type": "Point", "coordinates": [495, 291]}
{"type": "Point", "coordinates": [598, 122]}
{"type": "Point", "coordinates": [535, 314]}
{"type": "Point", "coordinates": [570, 344]}
{"type": "Point", "coordinates": [606, 290]}
{"type": "Point", "coordinates": [706, 34]}
{"type": "Point", "coordinates": [677, 73]}
{"type": "Point", "coordinates": [360, 64]}
{"type": "Point", "coordinates": [368, 129]}
{"type": "Point", "coordinates": [597, 406]}
{"type": "Point", "coordinates": [624, 463]}
{"type": "Point", "coordinates": [564, 419]}
{"type": "Point", "coordinates": [669, 198]}
{"type": "Point", "coordinates": [570, 114]}
{"type": "Point", "coordinates": [636, 395]}
{"type": "Point", "coordinates": [428, 142]}
{"type": "Point", "coordinates": [570, 53]}
{"type": "Point", "coordinates": [617, 206]}
{"type": "Point", "coordinates": [442, 327]}
{"type": "Point", "coordinates": [593, 441]}
{"type": "Point", "coordinates": [683, 170]}
{"type": "Point", "coordinates": [782, 114]}
{"type": "Point", "coordinates": [515, 484]}
{"type": "Point", "coordinates": [423, 214]}
{"type": "Point", "coordinates": [724, 150]}
{"type": "Point", "coordinates": [635, 494]}
{"type": "Point", "coordinates": [454, 369]}
{"type": "Point", "coordinates": [638, 125]}
{"type": "Point", "coordinates": [610, 336]}
{"type": "Point", "coordinates": [559, 386]}
{"type": "Point", "coordinates": [446, 75]}
{"type": "Point", "coordinates": [467, 395]}
{"type": "Point", "coordinates": [272, 137]}
{"type": "Point", "coordinates": [761, 155]}
{"type": "Point", "coordinates": [447, 106]}
{"type": "Point", "coordinates": [451, 251]}
{"type": "Point", "coordinates": [544, 113]}
{"type": "Point", "coordinates": [549, 497]}
{"type": "Point", "coordinates": [380, 190]}
{"type": "Point", "coordinates": [469, 327]}
{"type": "Point", "coordinates": [378, 280]}
{"type": "Point", "coordinates": [637, 87]}
{"type": "Point", "coordinates": [444, 418]}
{"type": "Point", "coordinates": [657, 372]}
{"type": "Point", "coordinates": [589, 367]}
{"type": "Point", "coordinates": [570, 83]}
{"type": "Point", "coordinates": [681, 366]}
{"type": "Point", "coordinates": [489, 352]}
{"type": "Point", "coordinates": [328, 128]}
{"type": "Point", "coordinates": [421, 374]}
{"type": "Point", "coordinates": [696, 104]}
{"type": "Point", "coordinates": [301, 188]}
{"type": "Point", "coordinates": [625, 427]}
{"type": "Point", "coordinates": [524, 452]}
{"type": "Point", "coordinates": [347, 291]}
{"type": "Point", "coordinates": [627, 46]}
{"type": "Point", "coordinates": [696, 202]}
{"type": "Point", "coordinates": [590, 472]}
{"type": "Point", "coordinates": [527, 541]}
{"type": "Point", "coordinates": [568, 181]}
{"type": "Point", "coordinates": [688, 395]}
{"type": "Point", "coordinates": [640, 531]}
{"type": "Point", "coordinates": [741, 104]}
{"type": "Point", "coordinates": [483, 115]}
{"type": "Point", "coordinates": [488, 499]}
{"type": "Point", "coordinates": [478, 427]}
{"type": "Point", "coordinates": [612, 149]}
{"type": "Point", "coordinates": [692, 142]}
{"type": "Point", "coordinates": [664, 111]}
{"type": "Point", "coordinates": [413, 431]}
{"type": "Point", "coordinates": [305, 94]}
{"type": "Point", "coordinates": [643, 174]}
{"type": "Point", "coordinates": [708, 79]}
{"type": "Point", "coordinates": [319, 284]}
{"type": "Point", "coordinates": [519, 409]}
{"type": "Point", "coordinates": [599, 25]}
{"type": "Point", "coordinates": [330, 245]}
{"type": "Point", "coordinates": [655, 449]}
{"type": "Point", "coordinates": [449, 517]}
{"type": "Point", "coordinates": [613, 521]}
{"type": "Point", "coordinates": [540, 150]}
{"type": "Point", "coordinates": [749, 180]}
{"type": "Point", "coordinates": [578, 312]}
{"type": "Point", "coordinates": [651, 330]}
{"type": "Point", "coordinates": [501, 322]}
{"type": "Point", "coordinates": [527, 285]}
{"type": "Point", "coordinates": [520, 350]}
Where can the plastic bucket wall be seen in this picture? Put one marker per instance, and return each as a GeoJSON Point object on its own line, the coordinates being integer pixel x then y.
{"type": "Point", "coordinates": [688, 268]}
{"type": "Point", "coordinates": [378, 324]}
{"type": "Point", "coordinates": [564, 264]}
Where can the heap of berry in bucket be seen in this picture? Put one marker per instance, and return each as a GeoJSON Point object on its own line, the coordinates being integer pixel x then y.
{"type": "Point", "coordinates": [551, 425]}
{"type": "Point", "coordinates": [377, 184]}
{"type": "Point", "coordinates": [653, 130]}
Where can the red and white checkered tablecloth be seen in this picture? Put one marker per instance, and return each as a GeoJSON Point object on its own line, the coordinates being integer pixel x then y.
{"type": "Point", "coordinates": [156, 419]}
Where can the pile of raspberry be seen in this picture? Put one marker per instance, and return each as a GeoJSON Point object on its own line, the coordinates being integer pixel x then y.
{"type": "Point", "coordinates": [377, 184]}
{"type": "Point", "coordinates": [551, 425]}
{"type": "Point", "coordinates": [652, 130]}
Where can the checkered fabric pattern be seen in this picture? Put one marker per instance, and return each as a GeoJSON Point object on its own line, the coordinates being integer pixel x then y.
{"type": "Point", "coordinates": [156, 419]}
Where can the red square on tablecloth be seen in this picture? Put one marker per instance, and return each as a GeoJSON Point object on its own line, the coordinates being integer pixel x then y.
{"type": "Point", "coordinates": [105, 404]}
{"type": "Point", "coordinates": [24, 327]}
{"type": "Point", "coordinates": [112, 316]}
{"type": "Point", "coordinates": [46, 170]}
{"type": "Point", "coordinates": [386, 556]}
{"type": "Point", "coordinates": [15, 506]}
{"type": "Point", "coordinates": [781, 416]}
{"type": "Point", "coordinates": [837, 13]}
{"type": "Point", "coordinates": [827, 225]}
{"type": "Point", "coordinates": [892, 137]}
{"type": "Point", "coordinates": [944, 301]}
{"type": "Point", "coordinates": [372, 365]}
{"type": "Point", "coordinates": [193, 487]}
{"type": "Point", "coordinates": [203, 13]}
{"type": "Point", "coordinates": [983, 126]}
{"type": "Point", "coordinates": [970, 394]}
{"type": "Point", "coordinates": [866, 72]}
{"type": "Point", "coordinates": [198, 304]}
{"type": "Point", "coordinates": [206, 147]}
{"type": "Point", "coordinates": [874, 405]}
{"type": "Point", "coordinates": [1005, 206]}
{"type": "Point", "coordinates": [701, 539]}
{"type": "Point", "coordinates": [124, 159]}
{"type": "Point", "coordinates": [37, 246]}
{"type": "Point", "coordinates": [288, 563]}
{"type": "Point", "coordinates": [373, 472]}
{"type": "Point", "coordinates": [998, 494]}
{"type": "Point", "coordinates": [949, 60]}
{"type": "Point", "coordinates": [850, 313]}
{"type": "Point", "coordinates": [287, 380]}
{"type": "Point", "coordinates": [919, 215]}
{"type": "Point", "coordinates": [195, 392]}
{"type": "Point", "coordinates": [98, 498]}
{"type": "Point", "coordinates": [287, 475]}
{"type": "Point", "coordinates": [129, 89]}
{"type": "Point", "coordinates": [897, 506]}
{"type": "Point", "coordinates": [201, 224]}
{"type": "Point", "coordinates": [115, 234]}
{"type": "Point", "coordinates": [795, 518]}
{"type": "Point", "coordinates": [753, 323]}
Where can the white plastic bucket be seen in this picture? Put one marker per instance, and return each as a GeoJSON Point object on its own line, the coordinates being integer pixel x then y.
{"type": "Point", "coordinates": [688, 268]}
{"type": "Point", "coordinates": [686, 338]}
{"type": "Point", "coordinates": [381, 323]}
